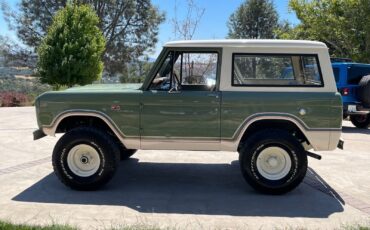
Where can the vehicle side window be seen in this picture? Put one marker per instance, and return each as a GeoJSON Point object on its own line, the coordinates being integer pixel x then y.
{"type": "Point", "coordinates": [198, 71]}
{"type": "Point", "coordinates": [275, 70]}
{"type": "Point", "coordinates": [336, 74]}
{"type": "Point", "coordinates": [187, 71]}
{"type": "Point", "coordinates": [310, 70]}
{"type": "Point", "coordinates": [355, 74]}
{"type": "Point", "coordinates": [163, 79]}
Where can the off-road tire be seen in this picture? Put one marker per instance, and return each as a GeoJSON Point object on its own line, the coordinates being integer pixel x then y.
{"type": "Point", "coordinates": [261, 140]}
{"type": "Point", "coordinates": [360, 121]}
{"type": "Point", "coordinates": [101, 142]}
{"type": "Point", "coordinates": [125, 154]}
{"type": "Point", "coordinates": [364, 90]}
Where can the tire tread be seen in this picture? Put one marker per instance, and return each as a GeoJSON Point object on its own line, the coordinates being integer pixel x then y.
{"type": "Point", "coordinates": [273, 134]}
{"type": "Point", "coordinates": [97, 136]}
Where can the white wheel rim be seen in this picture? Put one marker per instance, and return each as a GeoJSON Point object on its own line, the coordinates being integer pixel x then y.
{"type": "Point", "coordinates": [273, 163]}
{"type": "Point", "coordinates": [83, 160]}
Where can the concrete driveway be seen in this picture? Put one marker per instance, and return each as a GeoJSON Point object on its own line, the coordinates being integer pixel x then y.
{"type": "Point", "coordinates": [179, 189]}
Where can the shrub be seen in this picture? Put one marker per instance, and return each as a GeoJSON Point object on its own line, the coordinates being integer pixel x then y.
{"type": "Point", "coordinates": [13, 99]}
{"type": "Point", "coordinates": [71, 51]}
{"type": "Point", "coordinates": [29, 87]}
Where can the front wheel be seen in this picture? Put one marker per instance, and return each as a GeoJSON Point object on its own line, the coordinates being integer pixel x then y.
{"type": "Point", "coordinates": [273, 161]}
{"type": "Point", "coordinates": [360, 121]}
{"type": "Point", "coordinates": [85, 158]}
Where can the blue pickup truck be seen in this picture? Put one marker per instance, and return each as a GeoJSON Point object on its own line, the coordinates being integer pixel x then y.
{"type": "Point", "coordinates": [353, 82]}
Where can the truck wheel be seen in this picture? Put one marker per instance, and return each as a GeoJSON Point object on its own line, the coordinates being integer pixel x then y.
{"type": "Point", "coordinates": [85, 158]}
{"type": "Point", "coordinates": [273, 161]}
{"type": "Point", "coordinates": [364, 90]}
{"type": "Point", "coordinates": [360, 121]}
{"type": "Point", "coordinates": [126, 153]}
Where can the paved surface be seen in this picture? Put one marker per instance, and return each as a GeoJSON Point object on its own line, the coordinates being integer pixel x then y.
{"type": "Point", "coordinates": [184, 190]}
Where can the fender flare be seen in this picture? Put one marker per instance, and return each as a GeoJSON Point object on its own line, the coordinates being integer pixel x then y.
{"type": "Point", "coordinates": [129, 142]}
{"type": "Point", "coordinates": [310, 133]}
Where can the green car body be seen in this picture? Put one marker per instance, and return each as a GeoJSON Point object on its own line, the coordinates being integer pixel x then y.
{"type": "Point", "coordinates": [223, 95]}
{"type": "Point", "coordinates": [188, 116]}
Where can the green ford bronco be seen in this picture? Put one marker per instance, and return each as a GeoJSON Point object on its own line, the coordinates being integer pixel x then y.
{"type": "Point", "coordinates": [269, 100]}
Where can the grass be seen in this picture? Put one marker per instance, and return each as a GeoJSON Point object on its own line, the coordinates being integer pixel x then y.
{"type": "Point", "coordinates": [10, 226]}
{"type": "Point", "coordinates": [357, 227]}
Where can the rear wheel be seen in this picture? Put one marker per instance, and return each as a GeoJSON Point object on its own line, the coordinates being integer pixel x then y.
{"type": "Point", "coordinates": [273, 161]}
{"type": "Point", "coordinates": [85, 158]}
{"type": "Point", "coordinates": [360, 121]}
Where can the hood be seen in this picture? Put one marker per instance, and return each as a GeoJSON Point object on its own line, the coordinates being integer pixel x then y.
{"type": "Point", "coordinates": [105, 87]}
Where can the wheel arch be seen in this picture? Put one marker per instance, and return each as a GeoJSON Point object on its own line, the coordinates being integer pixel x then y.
{"type": "Point", "coordinates": [260, 121]}
{"type": "Point", "coordinates": [67, 120]}
{"type": "Point", "coordinates": [274, 123]}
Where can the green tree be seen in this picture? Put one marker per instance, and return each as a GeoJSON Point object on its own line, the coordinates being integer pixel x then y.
{"type": "Point", "coordinates": [2, 50]}
{"type": "Point", "coordinates": [344, 25]}
{"type": "Point", "coordinates": [130, 27]}
{"type": "Point", "coordinates": [15, 55]}
{"type": "Point", "coordinates": [137, 71]}
{"type": "Point", "coordinates": [254, 19]}
{"type": "Point", "coordinates": [71, 51]}
{"type": "Point", "coordinates": [283, 30]}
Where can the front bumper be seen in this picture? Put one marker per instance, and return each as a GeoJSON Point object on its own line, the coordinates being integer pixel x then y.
{"type": "Point", "coordinates": [38, 134]}
{"type": "Point", "coordinates": [340, 144]}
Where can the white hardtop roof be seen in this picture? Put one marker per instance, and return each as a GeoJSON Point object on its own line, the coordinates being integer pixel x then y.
{"type": "Point", "coordinates": [246, 43]}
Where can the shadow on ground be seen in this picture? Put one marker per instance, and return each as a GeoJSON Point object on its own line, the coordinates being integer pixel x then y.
{"type": "Point", "coordinates": [349, 129]}
{"type": "Point", "coordinates": [182, 188]}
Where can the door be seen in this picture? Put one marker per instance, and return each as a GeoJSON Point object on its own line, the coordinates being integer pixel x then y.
{"type": "Point", "coordinates": [181, 107]}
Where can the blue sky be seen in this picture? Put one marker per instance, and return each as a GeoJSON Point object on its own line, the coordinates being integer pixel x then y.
{"type": "Point", "coordinates": [3, 25]}
{"type": "Point", "coordinates": [213, 24]}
